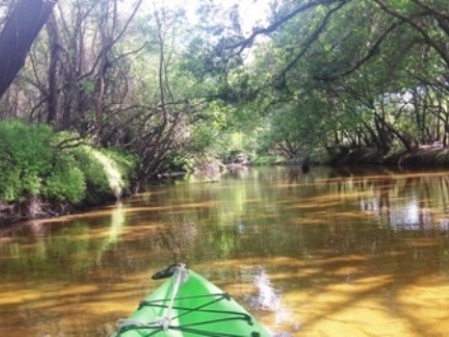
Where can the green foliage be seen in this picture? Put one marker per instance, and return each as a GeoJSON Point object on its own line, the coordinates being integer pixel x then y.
{"type": "Point", "coordinates": [33, 164]}
{"type": "Point", "coordinates": [105, 171]}
{"type": "Point", "coordinates": [221, 141]}
{"type": "Point", "coordinates": [124, 163]}
{"type": "Point", "coordinates": [67, 181]}
{"type": "Point", "coordinates": [92, 169]}
{"type": "Point", "coordinates": [322, 75]}
{"type": "Point", "coordinates": [328, 76]}
{"type": "Point", "coordinates": [203, 137]}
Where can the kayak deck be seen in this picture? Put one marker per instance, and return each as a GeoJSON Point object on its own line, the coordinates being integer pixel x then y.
{"type": "Point", "coordinates": [190, 307]}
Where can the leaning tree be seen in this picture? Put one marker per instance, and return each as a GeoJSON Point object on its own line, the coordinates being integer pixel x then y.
{"type": "Point", "coordinates": [21, 28]}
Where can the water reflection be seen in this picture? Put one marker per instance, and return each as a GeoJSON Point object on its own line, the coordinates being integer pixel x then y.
{"type": "Point", "coordinates": [332, 253]}
{"type": "Point", "coordinates": [408, 202]}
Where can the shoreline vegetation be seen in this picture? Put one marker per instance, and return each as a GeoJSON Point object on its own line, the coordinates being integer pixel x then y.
{"type": "Point", "coordinates": [137, 95]}
{"type": "Point", "coordinates": [423, 156]}
{"type": "Point", "coordinates": [44, 173]}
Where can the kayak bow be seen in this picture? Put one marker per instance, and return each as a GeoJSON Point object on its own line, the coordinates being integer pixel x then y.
{"type": "Point", "coordinates": [189, 305]}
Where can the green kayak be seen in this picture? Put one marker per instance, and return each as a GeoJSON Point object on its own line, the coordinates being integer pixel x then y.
{"type": "Point", "coordinates": [188, 305]}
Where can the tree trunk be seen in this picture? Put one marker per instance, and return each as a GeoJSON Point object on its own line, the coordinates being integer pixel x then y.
{"type": "Point", "coordinates": [52, 96]}
{"type": "Point", "coordinates": [17, 36]}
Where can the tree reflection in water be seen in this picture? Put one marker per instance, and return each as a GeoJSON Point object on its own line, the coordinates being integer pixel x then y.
{"type": "Point", "coordinates": [339, 253]}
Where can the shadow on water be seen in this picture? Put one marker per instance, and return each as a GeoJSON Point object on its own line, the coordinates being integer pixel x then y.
{"type": "Point", "coordinates": [330, 253]}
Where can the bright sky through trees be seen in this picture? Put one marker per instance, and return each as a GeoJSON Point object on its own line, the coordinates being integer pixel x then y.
{"type": "Point", "coordinates": [252, 12]}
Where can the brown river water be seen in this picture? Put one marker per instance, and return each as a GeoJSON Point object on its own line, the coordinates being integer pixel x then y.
{"type": "Point", "coordinates": [332, 253]}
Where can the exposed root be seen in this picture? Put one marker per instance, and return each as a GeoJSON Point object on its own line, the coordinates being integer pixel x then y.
{"type": "Point", "coordinates": [32, 208]}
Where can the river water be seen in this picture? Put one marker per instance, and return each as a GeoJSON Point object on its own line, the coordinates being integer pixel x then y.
{"type": "Point", "coordinates": [331, 253]}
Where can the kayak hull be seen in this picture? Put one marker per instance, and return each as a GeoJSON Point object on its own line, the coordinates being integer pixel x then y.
{"type": "Point", "coordinates": [194, 308]}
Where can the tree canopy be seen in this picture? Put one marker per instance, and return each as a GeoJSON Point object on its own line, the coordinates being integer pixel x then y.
{"type": "Point", "coordinates": [171, 83]}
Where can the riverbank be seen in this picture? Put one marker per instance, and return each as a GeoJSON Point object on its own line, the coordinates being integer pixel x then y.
{"type": "Point", "coordinates": [423, 156]}
{"type": "Point", "coordinates": [44, 173]}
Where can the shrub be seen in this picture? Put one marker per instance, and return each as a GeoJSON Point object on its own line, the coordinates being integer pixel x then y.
{"type": "Point", "coordinates": [33, 165]}
{"type": "Point", "coordinates": [25, 159]}
{"type": "Point", "coordinates": [106, 171]}
{"type": "Point", "coordinates": [67, 181]}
